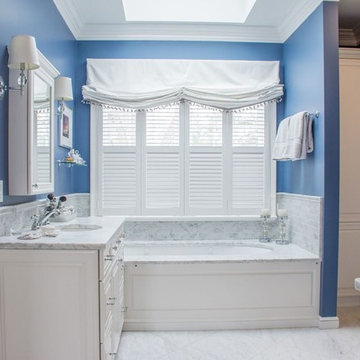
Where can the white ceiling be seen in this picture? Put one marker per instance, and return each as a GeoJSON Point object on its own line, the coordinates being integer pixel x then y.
{"type": "Point", "coordinates": [269, 21]}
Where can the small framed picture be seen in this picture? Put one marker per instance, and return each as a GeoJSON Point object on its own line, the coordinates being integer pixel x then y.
{"type": "Point", "coordinates": [66, 128]}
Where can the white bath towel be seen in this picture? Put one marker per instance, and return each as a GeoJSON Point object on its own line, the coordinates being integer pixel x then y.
{"type": "Point", "coordinates": [294, 139]}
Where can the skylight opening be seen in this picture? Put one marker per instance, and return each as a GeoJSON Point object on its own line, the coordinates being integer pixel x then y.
{"type": "Point", "coordinates": [199, 11]}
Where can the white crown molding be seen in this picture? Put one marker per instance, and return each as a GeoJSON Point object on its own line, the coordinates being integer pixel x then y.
{"type": "Point", "coordinates": [70, 15]}
{"type": "Point", "coordinates": [299, 14]}
{"type": "Point", "coordinates": [349, 53]}
{"type": "Point", "coordinates": [185, 32]}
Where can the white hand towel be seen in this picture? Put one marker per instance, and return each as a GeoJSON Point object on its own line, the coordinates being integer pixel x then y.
{"type": "Point", "coordinates": [294, 139]}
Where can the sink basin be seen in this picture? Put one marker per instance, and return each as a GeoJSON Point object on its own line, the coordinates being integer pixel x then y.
{"type": "Point", "coordinates": [80, 227]}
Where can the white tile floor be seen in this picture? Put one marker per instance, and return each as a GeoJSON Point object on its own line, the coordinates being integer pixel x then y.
{"type": "Point", "coordinates": [279, 344]}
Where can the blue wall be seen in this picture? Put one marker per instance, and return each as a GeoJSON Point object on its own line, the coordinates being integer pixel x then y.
{"type": "Point", "coordinates": [154, 50]}
{"type": "Point", "coordinates": [311, 82]}
{"type": "Point", "coordinates": [304, 90]}
{"type": "Point", "coordinates": [41, 19]}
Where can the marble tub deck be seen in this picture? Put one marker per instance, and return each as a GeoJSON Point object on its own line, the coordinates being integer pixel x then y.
{"type": "Point", "coordinates": [269, 344]}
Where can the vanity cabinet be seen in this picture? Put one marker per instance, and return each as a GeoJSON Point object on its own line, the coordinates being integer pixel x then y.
{"type": "Point", "coordinates": [61, 304]}
{"type": "Point", "coordinates": [31, 131]}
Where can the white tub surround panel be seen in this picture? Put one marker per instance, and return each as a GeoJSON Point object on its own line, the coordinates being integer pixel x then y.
{"type": "Point", "coordinates": [233, 295]}
{"type": "Point", "coordinates": [19, 216]}
{"type": "Point", "coordinates": [236, 229]}
{"type": "Point", "coordinates": [305, 219]}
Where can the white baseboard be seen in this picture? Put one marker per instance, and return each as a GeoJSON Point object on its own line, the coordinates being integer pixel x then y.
{"type": "Point", "coordinates": [219, 325]}
{"type": "Point", "coordinates": [331, 322]}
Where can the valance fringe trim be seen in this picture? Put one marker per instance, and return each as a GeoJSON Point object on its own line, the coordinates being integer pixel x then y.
{"type": "Point", "coordinates": [151, 109]}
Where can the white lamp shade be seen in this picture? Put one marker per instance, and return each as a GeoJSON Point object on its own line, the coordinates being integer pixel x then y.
{"type": "Point", "coordinates": [23, 54]}
{"type": "Point", "coordinates": [63, 88]}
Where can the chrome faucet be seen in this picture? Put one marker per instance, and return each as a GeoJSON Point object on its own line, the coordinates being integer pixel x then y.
{"type": "Point", "coordinates": [39, 221]}
{"type": "Point", "coordinates": [50, 210]}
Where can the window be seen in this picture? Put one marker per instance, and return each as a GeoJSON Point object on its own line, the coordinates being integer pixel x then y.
{"type": "Point", "coordinates": [183, 159]}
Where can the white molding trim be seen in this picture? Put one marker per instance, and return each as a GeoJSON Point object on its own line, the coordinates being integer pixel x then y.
{"type": "Point", "coordinates": [331, 322]}
{"type": "Point", "coordinates": [306, 198]}
{"type": "Point", "coordinates": [348, 53]}
{"type": "Point", "coordinates": [70, 16]}
{"type": "Point", "coordinates": [299, 14]}
{"type": "Point", "coordinates": [185, 32]}
{"type": "Point", "coordinates": [219, 325]}
{"type": "Point", "coordinates": [47, 66]}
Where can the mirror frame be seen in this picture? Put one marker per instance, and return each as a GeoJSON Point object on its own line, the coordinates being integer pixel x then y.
{"type": "Point", "coordinates": [46, 73]}
{"type": "Point", "coordinates": [21, 135]}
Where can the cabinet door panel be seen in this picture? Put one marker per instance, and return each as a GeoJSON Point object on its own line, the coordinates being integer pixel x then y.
{"type": "Point", "coordinates": [49, 305]}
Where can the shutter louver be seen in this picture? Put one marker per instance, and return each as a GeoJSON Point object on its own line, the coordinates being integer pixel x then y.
{"type": "Point", "coordinates": [205, 181]}
{"type": "Point", "coordinates": [162, 180]}
{"type": "Point", "coordinates": [119, 181]}
{"type": "Point", "coordinates": [248, 163]}
{"type": "Point", "coordinates": [162, 161]}
{"type": "Point", "coordinates": [162, 127]}
{"type": "Point", "coordinates": [248, 127]}
{"type": "Point", "coordinates": [119, 162]}
{"type": "Point", "coordinates": [248, 182]}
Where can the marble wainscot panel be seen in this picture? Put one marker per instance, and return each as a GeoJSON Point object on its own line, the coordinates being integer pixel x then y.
{"type": "Point", "coordinates": [239, 229]}
{"type": "Point", "coordinates": [18, 217]}
{"type": "Point", "coordinates": [305, 219]}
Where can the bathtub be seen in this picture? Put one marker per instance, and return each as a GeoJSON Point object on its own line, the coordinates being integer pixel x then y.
{"type": "Point", "coordinates": [224, 284]}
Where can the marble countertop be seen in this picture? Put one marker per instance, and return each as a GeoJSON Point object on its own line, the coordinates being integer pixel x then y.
{"type": "Point", "coordinates": [290, 252]}
{"type": "Point", "coordinates": [75, 240]}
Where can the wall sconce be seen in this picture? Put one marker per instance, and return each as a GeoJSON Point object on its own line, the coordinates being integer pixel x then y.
{"type": "Point", "coordinates": [23, 55]}
{"type": "Point", "coordinates": [63, 90]}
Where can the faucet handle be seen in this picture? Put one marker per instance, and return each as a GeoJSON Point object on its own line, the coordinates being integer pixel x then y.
{"type": "Point", "coordinates": [35, 217]}
{"type": "Point", "coordinates": [35, 225]}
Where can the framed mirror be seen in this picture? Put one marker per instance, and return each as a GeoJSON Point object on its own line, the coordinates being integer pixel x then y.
{"type": "Point", "coordinates": [31, 132]}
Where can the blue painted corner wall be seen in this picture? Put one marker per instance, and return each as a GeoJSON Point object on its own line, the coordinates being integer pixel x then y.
{"type": "Point", "coordinates": [310, 61]}
{"type": "Point", "coordinates": [41, 19]}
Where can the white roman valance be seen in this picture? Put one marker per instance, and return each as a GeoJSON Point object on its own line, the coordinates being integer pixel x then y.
{"type": "Point", "coordinates": [143, 84]}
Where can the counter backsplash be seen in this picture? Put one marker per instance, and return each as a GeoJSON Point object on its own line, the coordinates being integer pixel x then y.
{"type": "Point", "coordinates": [304, 224]}
{"type": "Point", "coordinates": [19, 216]}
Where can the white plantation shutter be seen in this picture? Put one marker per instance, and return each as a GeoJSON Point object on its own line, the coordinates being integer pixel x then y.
{"type": "Point", "coordinates": [184, 159]}
{"type": "Point", "coordinates": [205, 161]}
{"type": "Point", "coordinates": [205, 181]}
{"type": "Point", "coordinates": [248, 162]}
{"type": "Point", "coordinates": [162, 163]}
{"type": "Point", "coordinates": [162, 180]}
{"type": "Point", "coordinates": [119, 162]}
